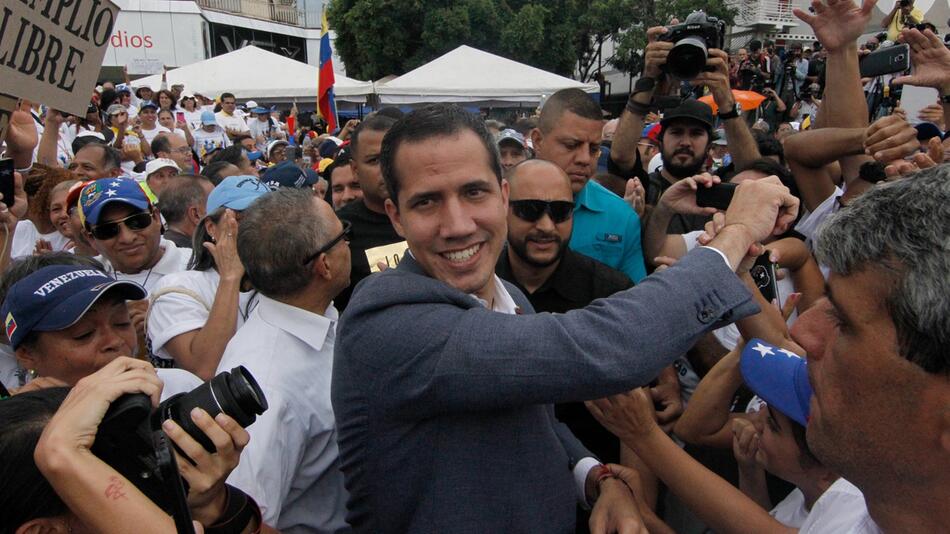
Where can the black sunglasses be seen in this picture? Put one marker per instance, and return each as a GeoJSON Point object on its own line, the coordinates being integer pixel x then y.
{"type": "Point", "coordinates": [134, 222]}
{"type": "Point", "coordinates": [344, 235]}
{"type": "Point", "coordinates": [532, 210]}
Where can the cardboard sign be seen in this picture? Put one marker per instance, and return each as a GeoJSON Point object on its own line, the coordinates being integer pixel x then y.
{"type": "Point", "coordinates": [389, 255]}
{"type": "Point", "coordinates": [145, 66]}
{"type": "Point", "coordinates": [51, 50]}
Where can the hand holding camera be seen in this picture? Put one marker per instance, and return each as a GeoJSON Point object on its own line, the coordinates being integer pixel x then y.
{"type": "Point", "coordinates": [656, 52]}
{"type": "Point", "coordinates": [716, 76]}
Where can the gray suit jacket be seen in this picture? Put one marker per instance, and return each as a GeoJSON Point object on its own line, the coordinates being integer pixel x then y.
{"type": "Point", "coordinates": [443, 407]}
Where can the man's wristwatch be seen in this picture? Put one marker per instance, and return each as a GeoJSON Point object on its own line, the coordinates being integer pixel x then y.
{"type": "Point", "coordinates": [733, 113]}
{"type": "Point", "coordinates": [644, 84]}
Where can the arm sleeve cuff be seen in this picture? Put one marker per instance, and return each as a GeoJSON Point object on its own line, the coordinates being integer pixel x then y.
{"type": "Point", "coordinates": [721, 254]}
{"type": "Point", "coordinates": [581, 468]}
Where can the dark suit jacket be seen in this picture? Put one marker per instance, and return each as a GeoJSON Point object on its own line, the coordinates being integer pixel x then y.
{"type": "Point", "coordinates": [443, 407]}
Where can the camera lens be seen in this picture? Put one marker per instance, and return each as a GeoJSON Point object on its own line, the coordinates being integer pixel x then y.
{"type": "Point", "coordinates": [687, 58]}
{"type": "Point", "coordinates": [234, 393]}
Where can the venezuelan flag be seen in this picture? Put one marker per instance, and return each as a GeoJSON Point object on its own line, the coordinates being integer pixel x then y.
{"type": "Point", "coordinates": [326, 103]}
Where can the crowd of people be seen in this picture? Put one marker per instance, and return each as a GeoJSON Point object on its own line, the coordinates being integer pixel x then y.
{"type": "Point", "coordinates": [433, 322]}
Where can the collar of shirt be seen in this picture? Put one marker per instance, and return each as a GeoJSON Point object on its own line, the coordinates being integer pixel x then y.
{"type": "Point", "coordinates": [588, 198]}
{"type": "Point", "coordinates": [311, 328]}
{"type": "Point", "coordinates": [501, 299]}
{"type": "Point", "coordinates": [567, 280]}
{"type": "Point", "coordinates": [168, 264]}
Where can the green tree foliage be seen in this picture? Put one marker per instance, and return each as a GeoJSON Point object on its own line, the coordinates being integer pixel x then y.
{"type": "Point", "coordinates": [376, 38]}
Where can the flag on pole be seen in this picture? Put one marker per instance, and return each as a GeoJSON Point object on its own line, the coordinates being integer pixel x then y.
{"type": "Point", "coordinates": [326, 103]}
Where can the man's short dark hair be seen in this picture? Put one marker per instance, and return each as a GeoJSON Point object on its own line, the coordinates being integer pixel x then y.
{"type": "Point", "coordinates": [160, 144]}
{"type": "Point", "coordinates": [240, 137]}
{"type": "Point", "coordinates": [769, 145]}
{"type": "Point", "coordinates": [111, 158]}
{"type": "Point", "coordinates": [226, 95]}
{"type": "Point", "coordinates": [232, 154]}
{"type": "Point", "coordinates": [182, 192]}
{"type": "Point", "coordinates": [392, 112]}
{"type": "Point", "coordinates": [525, 125]}
{"type": "Point", "coordinates": [373, 123]}
{"type": "Point", "coordinates": [434, 120]}
{"type": "Point", "coordinates": [212, 171]}
{"type": "Point", "coordinates": [573, 100]}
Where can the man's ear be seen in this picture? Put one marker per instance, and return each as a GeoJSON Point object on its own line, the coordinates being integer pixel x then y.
{"type": "Point", "coordinates": [536, 138]}
{"type": "Point", "coordinates": [194, 214]}
{"type": "Point", "coordinates": [394, 217]}
{"type": "Point", "coordinates": [45, 525]}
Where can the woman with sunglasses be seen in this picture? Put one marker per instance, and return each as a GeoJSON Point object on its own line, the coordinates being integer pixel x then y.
{"type": "Point", "coordinates": [195, 313]}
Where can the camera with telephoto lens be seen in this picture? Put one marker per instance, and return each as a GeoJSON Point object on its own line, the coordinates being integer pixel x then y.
{"type": "Point", "coordinates": [131, 440]}
{"type": "Point", "coordinates": [691, 43]}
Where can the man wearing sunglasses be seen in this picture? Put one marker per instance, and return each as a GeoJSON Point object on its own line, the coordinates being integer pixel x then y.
{"type": "Point", "coordinates": [123, 223]}
{"type": "Point", "coordinates": [553, 277]}
{"type": "Point", "coordinates": [295, 253]}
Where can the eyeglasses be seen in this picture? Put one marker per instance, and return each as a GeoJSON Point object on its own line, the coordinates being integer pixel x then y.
{"type": "Point", "coordinates": [344, 235]}
{"type": "Point", "coordinates": [532, 210]}
{"type": "Point", "coordinates": [134, 222]}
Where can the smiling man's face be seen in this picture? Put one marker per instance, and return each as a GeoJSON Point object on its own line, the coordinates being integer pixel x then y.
{"type": "Point", "coordinates": [452, 209]}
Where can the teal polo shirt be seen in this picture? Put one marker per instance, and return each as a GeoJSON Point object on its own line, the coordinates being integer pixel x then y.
{"type": "Point", "coordinates": [607, 229]}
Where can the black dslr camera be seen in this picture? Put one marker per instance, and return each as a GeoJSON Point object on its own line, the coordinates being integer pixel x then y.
{"type": "Point", "coordinates": [691, 42]}
{"type": "Point", "coordinates": [131, 440]}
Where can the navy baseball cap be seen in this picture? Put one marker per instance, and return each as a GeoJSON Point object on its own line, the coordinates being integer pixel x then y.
{"type": "Point", "coordinates": [99, 194]}
{"type": "Point", "coordinates": [55, 297]}
{"type": "Point", "coordinates": [236, 192]}
{"type": "Point", "coordinates": [148, 104]}
{"type": "Point", "coordinates": [779, 376]}
{"type": "Point", "coordinates": [288, 174]}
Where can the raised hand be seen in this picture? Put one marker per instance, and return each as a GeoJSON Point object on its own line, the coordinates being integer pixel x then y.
{"type": "Point", "coordinates": [930, 58]}
{"type": "Point", "coordinates": [628, 416]}
{"type": "Point", "coordinates": [635, 195]}
{"type": "Point", "coordinates": [224, 248]}
{"type": "Point", "coordinates": [891, 138]}
{"type": "Point", "coordinates": [837, 23]}
{"type": "Point", "coordinates": [681, 196]}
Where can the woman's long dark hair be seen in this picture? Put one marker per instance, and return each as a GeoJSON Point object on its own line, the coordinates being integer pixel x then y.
{"type": "Point", "coordinates": [24, 493]}
{"type": "Point", "coordinates": [201, 259]}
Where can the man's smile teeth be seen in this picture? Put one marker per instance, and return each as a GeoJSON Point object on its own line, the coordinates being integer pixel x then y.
{"type": "Point", "coordinates": [460, 256]}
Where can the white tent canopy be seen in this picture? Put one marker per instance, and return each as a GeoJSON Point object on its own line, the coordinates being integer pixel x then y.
{"type": "Point", "coordinates": [469, 75]}
{"type": "Point", "coordinates": [253, 73]}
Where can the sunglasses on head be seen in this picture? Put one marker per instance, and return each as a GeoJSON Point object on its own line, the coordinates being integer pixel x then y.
{"type": "Point", "coordinates": [532, 210]}
{"type": "Point", "coordinates": [134, 222]}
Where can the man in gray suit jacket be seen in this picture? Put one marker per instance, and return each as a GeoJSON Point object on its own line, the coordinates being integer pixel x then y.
{"type": "Point", "coordinates": [443, 380]}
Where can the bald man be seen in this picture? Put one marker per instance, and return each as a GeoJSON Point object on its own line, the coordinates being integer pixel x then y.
{"type": "Point", "coordinates": [552, 276]}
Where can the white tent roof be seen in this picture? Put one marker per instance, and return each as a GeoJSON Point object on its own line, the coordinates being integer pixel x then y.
{"type": "Point", "coordinates": [251, 72]}
{"type": "Point", "coordinates": [470, 75]}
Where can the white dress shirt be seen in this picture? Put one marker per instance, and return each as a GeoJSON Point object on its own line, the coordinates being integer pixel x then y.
{"type": "Point", "coordinates": [291, 466]}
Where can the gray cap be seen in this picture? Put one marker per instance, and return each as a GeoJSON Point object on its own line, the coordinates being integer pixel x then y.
{"type": "Point", "coordinates": [116, 108]}
{"type": "Point", "coordinates": [510, 135]}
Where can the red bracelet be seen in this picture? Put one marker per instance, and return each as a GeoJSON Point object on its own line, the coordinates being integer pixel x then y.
{"type": "Point", "coordinates": [603, 472]}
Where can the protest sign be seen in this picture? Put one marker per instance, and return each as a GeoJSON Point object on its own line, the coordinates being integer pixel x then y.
{"type": "Point", "coordinates": [145, 66]}
{"type": "Point", "coordinates": [51, 50]}
{"type": "Point", "coordinates": [388, 255]}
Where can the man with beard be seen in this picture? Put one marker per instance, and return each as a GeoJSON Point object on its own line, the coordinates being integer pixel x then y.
{"type": "Point", "coordinates": [686, 129]}
{"type": "Point", "coordinates": [553, 277]}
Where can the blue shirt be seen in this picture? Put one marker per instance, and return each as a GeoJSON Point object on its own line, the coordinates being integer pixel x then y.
{"type": "Point", "coordinates": [607, 229]}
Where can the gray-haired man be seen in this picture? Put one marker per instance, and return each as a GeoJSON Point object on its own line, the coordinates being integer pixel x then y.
{"type": "Point", "coordinates": [880, 367]}
{"type": "Point", "coordinates": [294, 251]}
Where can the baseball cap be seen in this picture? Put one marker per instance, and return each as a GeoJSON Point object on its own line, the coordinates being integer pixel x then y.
{"type": "Point", "coordinates": [186, 95]}
{"type": "Point", "coordinates": [99, 194]}
{"type": "Point", "coordinates": [288, 174]}
{"type": "Point", "coordinates": [236, 192]}
{"type": "Point", "coordinates": [652, 132]}
{"type": "Point", "coordinates": [92, 133]}
{"type": "Point", "coordinates": [927, 131]}
{"type": "Point", "coordinates": [148, 104]}
{"type": "Point", "coordinates": [116, 108]}
{"type": "Point", "coordinates": [160, 163]}
{"type": "Point", "coordinates": [721, 138]}
{"type": "Point", "coordinates": [328, 148]}
{"type": "Point", "coordinates": [510, 135]}
{"type": "Point", "coordinates": [55, 297]}
{"type": "Point", "coordinates": [779, 376]}
{"type": "Point", "coordinates": [259, 110]}
{"type": "Point", "coordinates": [690, 109]}
{"type": "Point", "coordinates": [207, 117]}
{"type": "Point", "coordinates": [273, 144]}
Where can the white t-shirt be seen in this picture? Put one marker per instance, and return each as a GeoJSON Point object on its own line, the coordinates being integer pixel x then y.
{"type": "Point", "coordinates": [840, 510]}
{"type": "Point", "coordinates": [151, 134]}
{"type": "Point", "coordinates": [25, 236]}
{"type": "Point", "coordinates": [177, 381]}
{"type": "Point", "coordinates": [235, 122]}
{"type": "Point", "coordinates": [791, 512]}
{"type": "Point", "coordinates": [174, 260]}
{"type": "Point", "coordinates": [809, 224]}
{"type": "Point", "coordinates": [193, 118]}
{"type": "Point", "coordinates": [176, 310]}
{"type": "Point", "coordinates": [207, 141]}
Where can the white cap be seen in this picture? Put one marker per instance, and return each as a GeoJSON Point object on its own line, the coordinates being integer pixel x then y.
{"type": "Point", "coordinates": [655, 163]}
{"type": "Point", "coordinates": [91, 133]}
{"type": "Point", "coordinates": [158, 164]}
{"type": "Point", "coordinates": [250, 104]}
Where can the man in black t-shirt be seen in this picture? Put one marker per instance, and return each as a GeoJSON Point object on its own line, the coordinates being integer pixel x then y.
{"type": "Point", "coordinates": [371, 226]}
